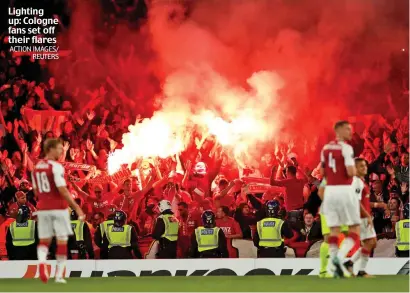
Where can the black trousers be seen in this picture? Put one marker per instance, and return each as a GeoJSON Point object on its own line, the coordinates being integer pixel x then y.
{"type": "Point", "coordinates": [271, 252]}
{"type": "Point", "coordinates": [167, 250]}
{"type": "Point", "coordinates": [213, 253]}
{"type": "Point", "coordinates": [402, 253]}
{"type": "Point", "coordinates": [294, 217]}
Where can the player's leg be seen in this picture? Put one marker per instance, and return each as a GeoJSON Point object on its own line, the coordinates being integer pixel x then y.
{"type": "Point", "coordinates": [61, 257]}
{"type": "Point", "coordinates": [368, 246]}
{"type": "Point", "coordinates": [45, 234]}
{"type": "Point", "coordinates": [330, 207]}
{"type": "Point", "coordinates": [333, 240]}
{"type": "Point", "coordinates": [324, 247]}
{"type": "Point", "coordinates": [369, 239]}
{"type": "Point", "coordinates": [62, 227]}
{"type": "Point", "coordinates": [350, 215]}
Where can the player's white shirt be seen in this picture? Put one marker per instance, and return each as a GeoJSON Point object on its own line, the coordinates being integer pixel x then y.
{"type": "Point", "coordinates": [358, 186]}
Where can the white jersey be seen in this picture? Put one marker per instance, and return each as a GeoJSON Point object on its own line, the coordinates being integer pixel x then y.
{"type": "Point", "coordinates": [358, 186]}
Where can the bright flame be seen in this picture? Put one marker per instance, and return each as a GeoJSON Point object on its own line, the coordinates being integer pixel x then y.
{"type": "Point", "coordinates": [155, 137]}
{"type": "Point", "coordinates": [242, 119]}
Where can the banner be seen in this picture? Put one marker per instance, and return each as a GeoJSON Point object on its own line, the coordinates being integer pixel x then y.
{"type": "Point", "coordinates": [79, 166]}
{"type": "Point", "coordinates": [46, 120]}
{"type": "Point", "coordinates": [116, 177]}
{"type": "Point", "coordinates": [101, 178]}
{"type": "Point", "coordinates": [193, 267]}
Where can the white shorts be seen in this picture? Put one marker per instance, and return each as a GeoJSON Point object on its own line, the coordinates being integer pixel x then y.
{"type": "Point", "coordinates": [54, 223]}
{"type": "Point", "coordinates": [366, 231]}
{"type": "Point", "coordinates": [341, 206]}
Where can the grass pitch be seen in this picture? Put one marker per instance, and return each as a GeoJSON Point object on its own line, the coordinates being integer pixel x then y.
{"type": "Point", "coordinates": [398, 283]}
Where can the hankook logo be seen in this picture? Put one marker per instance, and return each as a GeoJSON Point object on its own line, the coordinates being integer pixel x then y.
{"type": "Point", "coordinates": [32, 271]}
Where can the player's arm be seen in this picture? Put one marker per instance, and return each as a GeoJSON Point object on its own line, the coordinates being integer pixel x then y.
{"type": "Point", "coordinates": [67, 196]}
{"type": "Point", "coordinates": [321, 190]}
{"type": "Point", "coordinates": [61, 184]}
{"type": "Point", "coordinates": [363, 211]}
{"type": "Point", "coordinates": [365, 214]}
{"type": "Point", "coordinates": [347, 152]}
{"type": "Point", "coordinates": [322, 164]}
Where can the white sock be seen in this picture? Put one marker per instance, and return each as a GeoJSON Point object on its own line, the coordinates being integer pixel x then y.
{"type": "Point", "coordinates": [356, 256]}
{"type": "Point", "coordinates": [364, 258]}
{"type": "Point", "coordinates": [333, 249]}
{"type": "Point", "coordinates": [332, 254]}
{"type": "Point", "coordinates": [42, 252]}
{"type": "Point", "coordinates": [344, 249]}
{"type": "Point", "coordinates": [61, 263]}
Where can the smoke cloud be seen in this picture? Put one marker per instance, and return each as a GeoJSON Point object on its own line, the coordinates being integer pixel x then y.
{"type": "Point", "coordinates": [331, 58]}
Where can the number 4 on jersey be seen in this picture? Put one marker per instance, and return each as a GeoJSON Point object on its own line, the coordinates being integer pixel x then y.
{"type": "Point", "coordinates": [332, 163]}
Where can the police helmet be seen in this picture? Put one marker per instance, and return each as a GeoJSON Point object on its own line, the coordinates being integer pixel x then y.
{"type": "Point", "coordinates": [120, 218]}
{"type": "Point", "coordinates": [406, 210]}
{"type": "Point", "coordinates": [272, 208]}
{"type": "Point", "coordinates": [23, 214]}
{"type": "Point", "coordinates": [164, 205]}
{"type": "Point", "coordinates": [73, 215]}
{"type": "Point", "coordinates": [208, 219]}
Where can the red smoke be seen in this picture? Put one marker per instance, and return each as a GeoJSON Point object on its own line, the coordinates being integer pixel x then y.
{"type": "Point", "coordinates": [334, 56]}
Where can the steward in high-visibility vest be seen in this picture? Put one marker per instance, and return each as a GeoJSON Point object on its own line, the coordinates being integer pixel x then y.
{"type": "Point", "coordinates": [208, 241]}
{"type": "Point", "coordinates": [99, 235]}
{"type": "Point", "coordinates": [83, 247]}
{"type": "Point", "coordinates": [121, 238]}
{"type": "Point", "coordinates": [166, 231]}
{"type": "Point", "coordinates": [270, 231]}
{"type": "Point", "coordinates": [22, 237]}
{"type": "Point", "coordinates": [402, 233]}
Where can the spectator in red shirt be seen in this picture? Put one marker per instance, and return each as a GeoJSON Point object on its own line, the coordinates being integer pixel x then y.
{"type": "Point", "coordinates": [21, 199]}
{"type": "Point", "coordinates": [228, 224]}
{"type": "Point", "coordinates": [230, 227]}
{"type": "Point", "coordinates": [146, 219]}
{"type": "Point", "coordinates": [187, 224]}
{"type": "Point", "coordinates": [126, 200]}
{"type": "Point", "coordinates": [98, 201]}
{"type": "Point", "coordinates": [223, 196]}
{"type": "Point", "coordinates": [294, 193]}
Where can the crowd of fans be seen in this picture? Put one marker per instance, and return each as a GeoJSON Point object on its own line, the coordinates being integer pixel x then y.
{"type": "Point", "coordinates": [193, 181]}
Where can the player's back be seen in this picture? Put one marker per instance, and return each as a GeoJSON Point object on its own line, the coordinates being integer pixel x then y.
{"type": "Point", "coordinates": [47, 176]}
{"type": "Point", "coordinates": [335, 157]}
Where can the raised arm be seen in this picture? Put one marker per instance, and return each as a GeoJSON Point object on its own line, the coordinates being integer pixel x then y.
{"type": "Point", "coordinates": [80, 191]}
{"type": "Point", "coordinates": [188, 167]}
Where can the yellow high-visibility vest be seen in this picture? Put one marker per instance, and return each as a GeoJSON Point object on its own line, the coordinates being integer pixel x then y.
{"type": "Point", "coordinates": [119, 236]}
{"type": "Point", "coordinates": [207, 238]}
{"type": "Point", "coordinates": [78, 228]}
{"type": "Point", "coordinates": [104, 226]}
{"type": "Point", "coordinates": [269, 230]}
{"type": "Point", "coordinates": [23, 234]}
{"type": "Point", "coordinates": [402, 235]}
{"type": "Point", "coordinates": [171, 227]}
